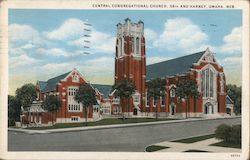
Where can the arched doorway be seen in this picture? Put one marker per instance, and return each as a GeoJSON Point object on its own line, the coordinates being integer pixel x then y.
{"type": "Point", "coordinates": [172, 109]}
{"type": "Point", "coordinates": [208, 108]}
{"type": "Point", "coordinates": [135, 111]}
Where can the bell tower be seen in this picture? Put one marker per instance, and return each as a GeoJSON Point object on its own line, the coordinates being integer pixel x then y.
{"type": "Point", "coordinates": [130, 60]}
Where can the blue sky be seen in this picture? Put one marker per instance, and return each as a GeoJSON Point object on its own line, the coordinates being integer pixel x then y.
{"type": "Point", "coordinates": [46, 43]}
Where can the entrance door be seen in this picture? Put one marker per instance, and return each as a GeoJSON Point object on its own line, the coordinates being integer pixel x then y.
{"type": "Point", "coordinates": [173, 110]}
{"type": "Point", "coordinates": [208, 108]}
{"type": "Point", "coordinates": [135, 111]}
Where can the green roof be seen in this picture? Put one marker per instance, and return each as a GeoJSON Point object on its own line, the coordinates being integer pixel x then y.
{"type": "Point", "coordinates": [103, 89]}
{"type": "Point", "coordinates": [229, 100]}
{"type": "Point", "coordinates": [42, 85]}
{"type": "Point", "coordinates": [51, 83]}
{"type": "Point", "coordinates": [173, 67]}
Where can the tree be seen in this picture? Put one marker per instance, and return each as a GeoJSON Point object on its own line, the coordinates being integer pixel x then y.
{"type": "Point", "coordinates": [14, 108]}
{"type": "Point", "coordinates": [156, 89]}
{"type": "Point", "coordinates": [187, 89]}
{"type": "Point", "coordinates": [86, 95]}
{"type": "Point", "coordinates": [51, 104]}
{"type": "Point", "coordinates": [223, 132]}
{"type": "Point", "coordinates": [124, 89]}
{"type": "Point", "coordinates": [234, 93]}
{"type": "Point", "coordinates": [26, 95]}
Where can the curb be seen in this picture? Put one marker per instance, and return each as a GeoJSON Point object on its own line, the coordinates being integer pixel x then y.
{"type": "Point", "coordinates": [29, 131]}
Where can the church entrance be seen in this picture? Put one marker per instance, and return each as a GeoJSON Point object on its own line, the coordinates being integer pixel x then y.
{"type": "Point", "coordinates": [135, 111]}
{"type": "Point", "coordinates": [208, 108]}
{"type": "Point", "coordinates": [172, 109]}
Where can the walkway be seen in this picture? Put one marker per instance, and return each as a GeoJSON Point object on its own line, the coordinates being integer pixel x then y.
{"type": "Point", "coordinates": [200, 146]}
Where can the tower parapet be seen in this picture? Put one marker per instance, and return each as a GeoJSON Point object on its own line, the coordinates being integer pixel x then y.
{"type": "Point", "coordinates": [130, 29]}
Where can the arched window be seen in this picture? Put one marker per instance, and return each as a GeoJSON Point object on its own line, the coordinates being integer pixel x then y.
{"type": "Point", "coordinates": [172, 92]}
{"type": "Point", "coordinates": [137, 45]}
{"type": "Point", "coordinates": [208, 83]}
{"type": "Point", "coordinates": [133, 44]}
{"type": "Point", "coordinates": [120, 47]}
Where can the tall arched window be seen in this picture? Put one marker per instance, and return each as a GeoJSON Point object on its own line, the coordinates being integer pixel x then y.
{"type": "Point", "coordinates": [137, 45]}
{"type": "Point", "coordinates": [120, 47]}
{"type": "Point", "coordinates": [208, 83]}
{"type": "Point", "coordinates": [133, 44]}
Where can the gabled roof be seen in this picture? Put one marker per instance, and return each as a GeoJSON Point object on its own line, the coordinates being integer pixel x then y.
{"type": "Point", "coordinates": [229, 100]}
{"type": "Point", "coordinates": [51, 83]}
{"type": "Point", "coordinates": [42, 84]}
{"type": "Point", "coordinates": [173, 67]}
{"type": "Point", "coordinates": [103, 89]}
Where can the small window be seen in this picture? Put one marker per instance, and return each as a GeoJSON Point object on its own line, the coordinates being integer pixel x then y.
{"type": "Point", "coordinates": [163, 100]}
{"type": "Point", "coordinates": [137, 98]}
{"type": "Point", "coordinates": [148, 101]}
{"type": "Point", "coordinates": [172, 92]}
{"type": "Point", "coordinates": [75, 78]}
{"type": "Point", "coordinates": [155, 101]}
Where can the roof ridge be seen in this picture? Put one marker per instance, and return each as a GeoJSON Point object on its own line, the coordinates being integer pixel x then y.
{"type": "Point", "coordinates": [59, 76]}
{"type": "Point", "coordinates": [179, 57]}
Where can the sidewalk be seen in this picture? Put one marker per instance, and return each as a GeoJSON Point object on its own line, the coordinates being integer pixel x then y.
{"type": "Point", "coordinates": [30, 131]}
{"type": "Point", "coordinates": [201, 146]}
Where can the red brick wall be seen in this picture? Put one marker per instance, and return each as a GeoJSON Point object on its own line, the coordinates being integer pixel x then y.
{"type": "Point", "coordinates": [132, 69]}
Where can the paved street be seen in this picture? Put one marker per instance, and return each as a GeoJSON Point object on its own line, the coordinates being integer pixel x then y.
{"type": "Point", "coordinates": [133, 139]}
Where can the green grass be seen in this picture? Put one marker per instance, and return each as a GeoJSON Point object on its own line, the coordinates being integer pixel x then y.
{"type": "Point", "coordinates": [108, 121]}
{"type": "Point", "coordinates": [154, 148]}
{"type": "Point", "coordinates": [195, 139]}
{"type": "Point", "coordinates": [195, 150]}
{"type": "Point", "coordinates": [226, 144]}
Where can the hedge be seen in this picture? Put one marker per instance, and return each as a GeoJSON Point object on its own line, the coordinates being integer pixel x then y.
{"type": "Point", "coordinates": [231, 134]}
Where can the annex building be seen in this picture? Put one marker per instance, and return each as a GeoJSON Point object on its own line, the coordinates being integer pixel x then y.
{"type": "Point", "coordinates": [130, 64]}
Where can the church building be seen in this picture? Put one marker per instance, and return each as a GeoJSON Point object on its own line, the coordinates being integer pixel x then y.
{"type": "Point", "coordinates": [130, 64]}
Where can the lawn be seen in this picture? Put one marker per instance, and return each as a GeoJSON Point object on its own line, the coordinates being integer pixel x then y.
{"type": "Point", "coordinates": [108, 121]}
{"type": "Point", "coordinates": [226, 144]}
{"type": "Point", "coordinates": [154, 148]}
{"type": "Point", "coordinates": [195, 139]}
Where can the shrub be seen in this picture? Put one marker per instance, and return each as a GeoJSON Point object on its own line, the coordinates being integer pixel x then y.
{"type": "Point", "coordinates": [235, 134]}
{"type": "Point", "coordinates": [11, 122]}
{"type": "Point", "coordinates": [223, 132]}
{"type": "Point", "coordinates": [230, 134]}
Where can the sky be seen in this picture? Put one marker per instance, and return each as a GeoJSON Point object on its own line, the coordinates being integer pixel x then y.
{"type": "Point", "coordinates": [46, 43]}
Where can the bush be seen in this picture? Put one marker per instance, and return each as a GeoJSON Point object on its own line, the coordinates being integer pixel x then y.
{"type": "Point", "coordinates": [235, 134]}
{"type": "Point", "coordinates": [223, 132]}
{"type": "Point", "coordinates": [11, 122]}
{"type": "Point", "coordinates": [230, 134]}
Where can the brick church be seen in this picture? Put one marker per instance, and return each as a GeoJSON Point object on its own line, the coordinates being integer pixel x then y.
{"type": "Point", "coordinates": [130, 64]}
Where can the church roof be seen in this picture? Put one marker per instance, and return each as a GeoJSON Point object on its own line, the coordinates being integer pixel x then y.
{"type": "Point", "coordinates": [51, 83]}
{"type": "Point", "coordinates": [229, 100]}
{"type": "Point", "coordinates": [42, 84]}
{"type": "Point", "coordinates": [173, 67]}
{"type": "Point", "coordinates": [103, 89]}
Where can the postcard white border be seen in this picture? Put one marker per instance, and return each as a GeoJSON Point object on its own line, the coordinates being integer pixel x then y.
{"type": "Point", "coordinates": [87, 4]}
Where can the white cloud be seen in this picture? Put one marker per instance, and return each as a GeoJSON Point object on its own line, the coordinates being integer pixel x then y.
{"type": "Point", "coordinates": [99, 42]}
{"type": "Point", "coordinates": [181, 34]}
{"type": "Point", "coordinates": [57, 52]}
{"type": "Point", "coordinates": [156, 59]}
{"type": "Point", "coordinates": [23, 33]}
{"type": "Point", "coordinates": [232, 61]}
{"type": "Point", "coordinates": [71, 28]}
{"type": "Point", "coordinates": [232, 41]}
{"type": "Point", "coordinates": [21, 60]}
{"type": "Point", "coordinates": [99, 66]}
{"type": "Point", "coordinates": [17, 51]}
{"type": "Point", "coordinates": [150, 36]}
{"type": "Point", "coordinates": [27, 46]}
{"type": "Point", "coordinates": [58, 67]}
